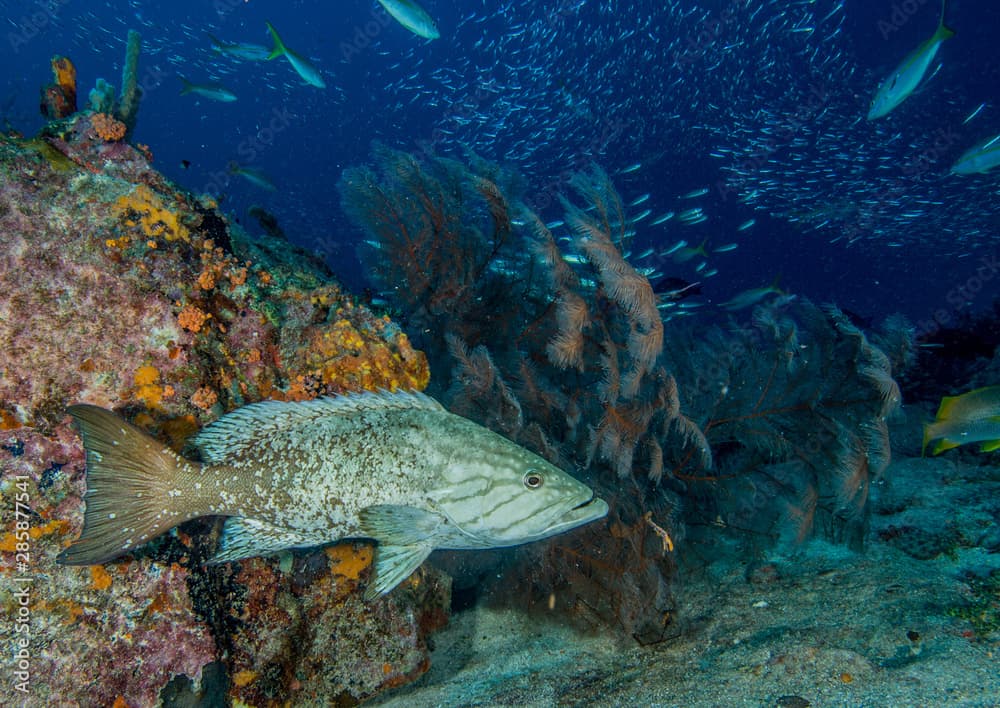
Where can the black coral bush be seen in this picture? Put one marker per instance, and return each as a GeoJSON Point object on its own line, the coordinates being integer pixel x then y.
{"type": "Point", "coordinates": [775, 428]}
{"type": "Point", "coordinates": [794, 407]}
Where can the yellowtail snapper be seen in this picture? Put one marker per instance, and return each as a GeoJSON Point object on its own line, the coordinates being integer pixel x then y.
{"type": "Point", "coordinates": [215, 92]}
{"type": "Point", "coordinates": [411, 16]}
{"type": "Point", "coordinates": [980, 158]}
{"type": "Point", "coordinates": [749, 298]}
{"type": "Point", "coordinates": [905, 78]}
{"type": "Point", "coordinates": [683, 255]}
{"type": "Point", "coordinates": [308, 73]}
{"type": "Point", "coordinates": [240, 50]}
{"type": "Point", "coordinates": [969, 418]}
{"type": "Point", "coordinates": [252, 175]}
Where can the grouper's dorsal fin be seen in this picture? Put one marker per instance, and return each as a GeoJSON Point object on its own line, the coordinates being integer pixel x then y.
{"type": "Point", "coordinates": [248, 426]}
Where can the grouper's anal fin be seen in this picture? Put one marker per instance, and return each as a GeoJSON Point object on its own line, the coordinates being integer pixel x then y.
{"type": "Point", "coordinates": [393, 565]}
{"type": "Point", "coordinates": [244, 538]}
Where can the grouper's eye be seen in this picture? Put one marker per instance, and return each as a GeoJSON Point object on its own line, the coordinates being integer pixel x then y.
{"type": "Point", "coordinates": [533, 479]}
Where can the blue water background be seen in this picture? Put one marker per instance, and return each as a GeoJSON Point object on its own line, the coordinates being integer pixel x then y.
{"type": "Point", "coordinates": [386, 84]}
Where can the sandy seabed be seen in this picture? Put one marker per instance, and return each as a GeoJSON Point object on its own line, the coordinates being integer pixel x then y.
{"type": "Point", "coordinates": [822, 627]}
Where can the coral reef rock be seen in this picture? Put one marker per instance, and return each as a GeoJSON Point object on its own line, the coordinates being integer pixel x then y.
{"type": "Point", "coordinates": [122, 290]}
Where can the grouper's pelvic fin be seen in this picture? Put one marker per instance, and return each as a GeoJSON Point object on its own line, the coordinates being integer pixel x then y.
{"type": "Point", "coordinates": [132, 494]}
{"type": "Point", "coordinates": [405, 538]}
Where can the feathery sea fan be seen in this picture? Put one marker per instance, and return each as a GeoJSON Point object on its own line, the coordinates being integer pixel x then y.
{"type": "Point", "coordinates": [777, 427]}
{"type": "Point", "coordinates": [795, 408]}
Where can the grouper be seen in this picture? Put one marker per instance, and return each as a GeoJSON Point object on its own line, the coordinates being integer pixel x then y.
{"type": "Point", "coordinates": [394, 467]}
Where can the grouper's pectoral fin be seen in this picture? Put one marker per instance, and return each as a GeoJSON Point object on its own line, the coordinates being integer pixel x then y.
{"type": "Point", "coordinates": [393, 565]}
{"type": "Point", "coordinates": [405, 538]}
{"type": "Point", "coordinates": [243, 538]}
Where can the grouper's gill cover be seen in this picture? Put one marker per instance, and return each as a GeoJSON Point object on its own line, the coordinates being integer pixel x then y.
{"type": "Point", "coordinates": [395, 467]}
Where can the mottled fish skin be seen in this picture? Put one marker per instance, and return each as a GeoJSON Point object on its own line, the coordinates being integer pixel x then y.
{"type": "Point", "coordinates": [398, 468]}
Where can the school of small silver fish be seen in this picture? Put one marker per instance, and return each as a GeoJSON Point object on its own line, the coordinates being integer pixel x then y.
{"type": "Point", "coordinates": [770, 100]}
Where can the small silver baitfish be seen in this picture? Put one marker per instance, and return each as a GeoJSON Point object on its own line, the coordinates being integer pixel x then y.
{"type": "Point", "coordinates": [394, 467]}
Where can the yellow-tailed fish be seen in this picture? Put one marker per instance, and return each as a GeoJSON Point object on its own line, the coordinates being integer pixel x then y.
{"type": "Point", "coordinates": [239, 50]}
{"type": "Point", "coordinates": [686, 253]}
{"type": "Point", "coordinates": [215, 92]}
{"type": "Point", "coordinates": [907, 76]}
{"type": "Point", "coordinates": [394, 467]}
{"type": "Point", "coordinates": [971, 417]}
{"type": "Point", "coordinates": [749, 298]}
{"type": "Point", "coordinates": [411, 16]}
{"type": "Point", "coordinates": [309, 73]}
{"type": "Point", "coordinates": [252, 175]}
{"type": "Point", "coordinates": [981, 158]}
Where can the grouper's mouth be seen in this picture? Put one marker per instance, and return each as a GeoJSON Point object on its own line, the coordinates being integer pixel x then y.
{"type": "Point", "coordinates": [583, 513]}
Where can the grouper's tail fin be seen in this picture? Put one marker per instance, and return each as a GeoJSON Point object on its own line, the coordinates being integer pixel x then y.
{"type": "Point", "coordinates": [131, 488]}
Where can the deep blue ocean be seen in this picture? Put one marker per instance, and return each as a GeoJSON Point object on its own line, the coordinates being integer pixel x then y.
{"type": "Point", "coordinates": [761, 103]}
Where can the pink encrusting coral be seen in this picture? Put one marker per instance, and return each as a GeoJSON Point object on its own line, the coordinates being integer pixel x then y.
{"type": "Point", "coordinates": [122, 290]}
{"type": "Point", "coordinates": [90, 628]}
{"type": "Point", "coordinates": [125, 276]}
